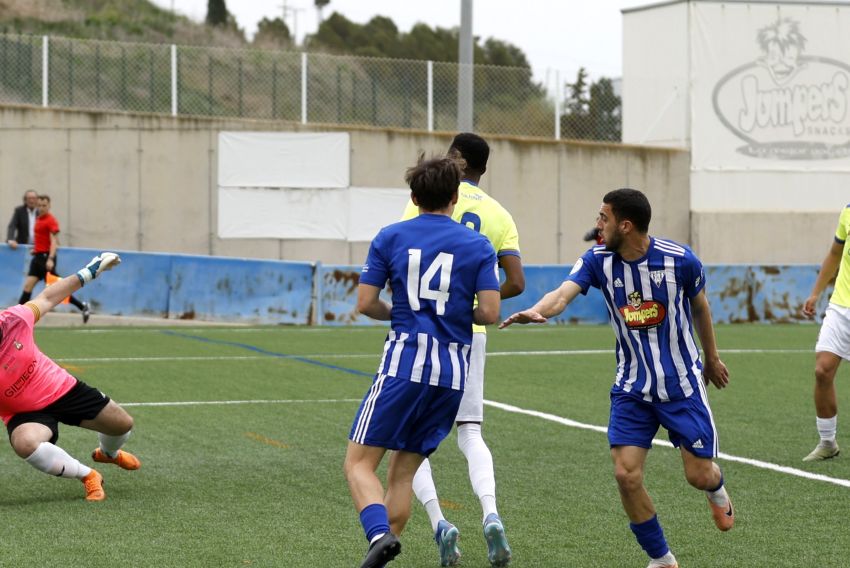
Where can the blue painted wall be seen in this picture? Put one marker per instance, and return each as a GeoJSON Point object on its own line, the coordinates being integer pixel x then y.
{"type": "Point", "coordinates": [266, 291]}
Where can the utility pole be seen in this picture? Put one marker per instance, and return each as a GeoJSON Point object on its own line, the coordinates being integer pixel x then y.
{"type": "Point", "coordinates": [294, 11]}
{"type": "Point", "coordinates": [465, 69]}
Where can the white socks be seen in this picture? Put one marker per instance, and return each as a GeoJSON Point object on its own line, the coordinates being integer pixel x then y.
{"type": "Point", "coordinates": [426, 492]}
{"type": "Point", "coordinates": [827, 427]}
{"type": "Point", "coordinates": [480, 461]}
{"type": "Point", "coordinates": [53, 460]}
{"type": "Point", "coordinates": [719, 497]}
{"type": "Point", "coordinates": [111, 444]}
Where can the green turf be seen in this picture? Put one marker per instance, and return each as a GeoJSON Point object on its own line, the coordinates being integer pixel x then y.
{"type": "Point", "coordinates": [254, 484]}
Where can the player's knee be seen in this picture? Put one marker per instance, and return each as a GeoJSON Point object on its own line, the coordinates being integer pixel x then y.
{"type": "Point", "coordinates": [24, 446]}
{"type": "Point", "coordinates": [628, 479]}
{"type": "Point", "coordinates": [824, 374]}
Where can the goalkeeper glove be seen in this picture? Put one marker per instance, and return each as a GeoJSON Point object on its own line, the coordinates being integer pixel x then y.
{"type": "Point", "coordinates": [103, 261]}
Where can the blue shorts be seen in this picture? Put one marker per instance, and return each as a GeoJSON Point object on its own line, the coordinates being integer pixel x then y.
{"type": "Point", "coordinates": [398, 414]}
{"type": "Point", "coordinates": [689, 423]}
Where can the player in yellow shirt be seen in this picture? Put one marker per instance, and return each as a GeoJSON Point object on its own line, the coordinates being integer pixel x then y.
{"type": "Point", "coordinates": [834, 339]}
{"type": "Point", "coordinates": [481, 213]}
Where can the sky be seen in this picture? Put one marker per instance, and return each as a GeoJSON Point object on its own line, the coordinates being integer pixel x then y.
{"type": "Point", "coordinates": [557, 36]}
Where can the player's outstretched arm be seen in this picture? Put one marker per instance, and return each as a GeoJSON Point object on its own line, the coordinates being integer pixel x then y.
{"type": "Point", "coordinates": [369, 304]}
{"type": "Point", "coordinates": [552, 304]}
{"type": "Point", "coordinates": [55, 293]}
{"type": "Point", "coordinates": [828, 268]}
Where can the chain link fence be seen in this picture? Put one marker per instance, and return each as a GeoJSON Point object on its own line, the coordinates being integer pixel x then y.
{"type": "Point", "coordinates": [290, 86]}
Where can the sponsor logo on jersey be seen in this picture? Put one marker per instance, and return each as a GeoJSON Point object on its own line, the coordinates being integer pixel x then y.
{"type": "Point", "coordinates": [16, 387]}
{"type": "Point", "coordinates": [618, 283]}
{"type": "Point", "coordinates": [657, 276]}
{"type": "Point", "coordinates": [640, 314]}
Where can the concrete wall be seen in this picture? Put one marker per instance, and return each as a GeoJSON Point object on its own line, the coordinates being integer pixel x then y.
{"type": "Point", "coordinates": [148, 183]}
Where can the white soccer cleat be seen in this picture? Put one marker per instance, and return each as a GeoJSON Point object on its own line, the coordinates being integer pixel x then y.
{"type": "Point", "coordinates": [823, 451]}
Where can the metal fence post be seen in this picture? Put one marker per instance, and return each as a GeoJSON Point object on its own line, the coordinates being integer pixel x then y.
{"type": "Point", "coordinates": [239, 70]}
{"type": "Point", "coordinates": [97, 74]}
{"type": "Point", "coordinates": [557, 105]}
{"type": "Point", "coordinates": [45, 61]}
{"type": "Point", "coordinates": [430, 96]}
{"type": "Point", "coordinates": [173, 80]}
{"type": "Point", "coordinates": [304, 88]}
{"type": "Point", "coordinates": [274, 88]}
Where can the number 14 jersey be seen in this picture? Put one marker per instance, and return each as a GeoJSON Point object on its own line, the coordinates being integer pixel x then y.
{"type": "Point", "coordinates": [434, 267]}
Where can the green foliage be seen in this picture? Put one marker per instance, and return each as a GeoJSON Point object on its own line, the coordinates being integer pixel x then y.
{"type": "Point", "coordinates": [273, 33]}
{"type": "Point", "coordinates": [591, 112]}
{"type": "Point", "coordinates": [217, 14]}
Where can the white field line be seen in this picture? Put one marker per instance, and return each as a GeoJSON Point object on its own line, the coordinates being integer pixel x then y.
{"type": "Point", "coordinates": [227, 402]}
{"type": "Point", "coordinates": [374, 356]}
{"type": "Point", "coordinates": [755, 463]}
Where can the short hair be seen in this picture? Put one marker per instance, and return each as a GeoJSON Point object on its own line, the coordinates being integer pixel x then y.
{"type": "Point", "coordinates": [434, 182]}
{"type": "Point", "coordinates": [45, 197]}
{"type": "Point", "coordinates": [27, 192]}
{"type": "Point", "coordinates": [630, 205]}
{"type": "Point", "coordinates": [473, 149]}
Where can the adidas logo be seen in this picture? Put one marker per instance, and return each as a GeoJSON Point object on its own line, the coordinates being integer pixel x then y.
{"type": "Point", "coordinates": [698, 445]}
{"type": "Point", "coordinates": [618, 283]}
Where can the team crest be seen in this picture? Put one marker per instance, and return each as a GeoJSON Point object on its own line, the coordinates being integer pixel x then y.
{"type": "Point", "coordinates": [640, 314]}
{"type": "Point", "coordinates": [18, 345]}
{"type": "Point", "coordinates": [657, 276]}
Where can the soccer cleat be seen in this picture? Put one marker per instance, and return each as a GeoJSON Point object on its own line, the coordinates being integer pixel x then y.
{"type": "Point", "coordinates": [93, 483]}
{"type": "Point", "coordinates": [498, 551]}
{"type": "Point", "coordinates": [382, 551]}
{"type": "Point", "coordinates": [654, 564]}
{"type": "Point", "coordinates": [86, 311]}
{"type": "Point", "coordinates": [823, 451]}
{"type": "Point", "coordinates": [446, 537]}
{"type": "Point", "coordinates": [724, 517]}
{"type": "Point", "coordinates": [124, 460]}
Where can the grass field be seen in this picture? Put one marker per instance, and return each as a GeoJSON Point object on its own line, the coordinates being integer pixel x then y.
{"type": "Point", "coordinates": [242, 433]}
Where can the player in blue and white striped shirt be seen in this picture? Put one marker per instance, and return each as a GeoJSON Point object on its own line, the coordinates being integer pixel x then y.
{"type": "Point", "coordinates": [435, 268]}
{"type": "Point", "coordinates": [654, 291]}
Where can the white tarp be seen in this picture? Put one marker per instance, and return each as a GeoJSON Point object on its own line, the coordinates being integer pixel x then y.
{"type": "Point", "coordinates": [771, 87]}
{"type": "Point", "coordinates": [372, 208]}
{"type": "Point", "coordinates": [245, 213]}
{"type": "Point", "coordinates": [283, 159]}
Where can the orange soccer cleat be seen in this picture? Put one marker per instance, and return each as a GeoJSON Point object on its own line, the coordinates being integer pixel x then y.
{"type": "Point", "coordinates": [724, 517]}
{"type": "Point", "coordinates": [93, 483]}
{"type": "Point", "coordinates": [124, 460]}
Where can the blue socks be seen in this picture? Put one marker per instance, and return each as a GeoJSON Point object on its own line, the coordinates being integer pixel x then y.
{"type": "Point", "coordinates": [374, 520]}
{"type": "Point", "coordinates": [650, 536]}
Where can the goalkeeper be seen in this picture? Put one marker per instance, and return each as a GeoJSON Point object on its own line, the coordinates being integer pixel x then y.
{"type": "Point", "coordinates": [36, 394]}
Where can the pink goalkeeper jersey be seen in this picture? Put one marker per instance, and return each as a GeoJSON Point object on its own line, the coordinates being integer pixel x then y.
{"type": "Point", "coordinates": [29, 380]}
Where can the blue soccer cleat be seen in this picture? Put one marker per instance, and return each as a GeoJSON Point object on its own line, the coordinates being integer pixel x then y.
{"type": "Point", "coordinates": [446, 537]}
{"type": "Point", "coordinates": [498, 550]}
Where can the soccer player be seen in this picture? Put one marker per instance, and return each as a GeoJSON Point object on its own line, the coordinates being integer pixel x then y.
{"type": "Point", "coordinates": [654, 290]}
{"type": "Point", "coordinates": [44, 250]}
{"type": "Point", "coordinates": [36, 394]}
{"type": "Point", "coordinates": [435, 268]}
{"type": "Point", "coordinates": [834, 339]}
{"type": "Point", "coordinates": [483, 214]}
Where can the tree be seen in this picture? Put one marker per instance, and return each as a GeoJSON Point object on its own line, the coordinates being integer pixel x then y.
{"type": "Point", "coordinates": [591, 112]}
{"type": "Point", "coordinates": [320, 6]}
{"type": "Point", "coordinates": [273, 33]}
{"type": "Point", "coordinates": [217, 14]}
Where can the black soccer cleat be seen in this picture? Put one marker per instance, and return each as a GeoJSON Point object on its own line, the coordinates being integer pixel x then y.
{"type": "Point", "coordinates": [382, 551]}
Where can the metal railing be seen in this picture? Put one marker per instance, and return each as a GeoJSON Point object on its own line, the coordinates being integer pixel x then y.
{"type": "Point", "coordinates": [291, 86]}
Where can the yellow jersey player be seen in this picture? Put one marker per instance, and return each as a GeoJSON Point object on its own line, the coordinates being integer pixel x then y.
{"type": "Point", "coordinates": [833, 343]}
{"type": "Point", "coordinates": [483, 214]}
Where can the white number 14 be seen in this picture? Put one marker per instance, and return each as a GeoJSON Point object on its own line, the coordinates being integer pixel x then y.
{"type": "Point", "coordinates": [420, 287]}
